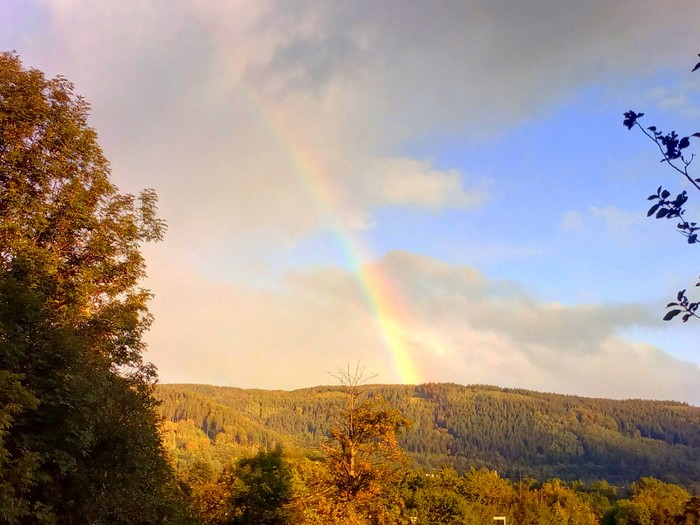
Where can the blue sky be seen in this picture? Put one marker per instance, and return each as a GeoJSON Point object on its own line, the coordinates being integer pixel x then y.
{"type": "Point", "coordinates": [469, 155]}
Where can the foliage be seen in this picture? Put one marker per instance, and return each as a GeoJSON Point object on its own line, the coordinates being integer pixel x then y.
{"type": "Point", "coordinates": [516, 432]}
{"type": "Point", "coordinates": [652, 502]}
{"type": "Point", "coordinates": [363, 448]}
{"type": "Point", "coordinates": [673, 149]}
{"type": "Point", "coordinates": [566, 424]}
{"type": "Point", "coordinates": [262, 489]}
{"type": "Point", "coordinates": [78, 423]}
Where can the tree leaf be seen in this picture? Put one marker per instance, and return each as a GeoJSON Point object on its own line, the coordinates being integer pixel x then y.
{"type": "Point", "coordinates": [670, 315]}
{"type": "Point", "coordinates": [653, 209]}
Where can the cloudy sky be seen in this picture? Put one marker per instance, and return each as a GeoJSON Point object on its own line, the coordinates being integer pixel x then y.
{"type": "Point", "coordinates": [439, 190]}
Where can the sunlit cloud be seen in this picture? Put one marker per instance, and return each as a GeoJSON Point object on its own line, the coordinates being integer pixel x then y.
{"type": "Point", "coordinates": [463, 328]}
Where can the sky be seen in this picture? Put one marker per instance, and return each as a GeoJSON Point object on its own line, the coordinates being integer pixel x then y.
{"type": "Point", "coordinates": [441, 191]}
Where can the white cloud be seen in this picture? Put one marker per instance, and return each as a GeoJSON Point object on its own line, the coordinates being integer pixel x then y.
{"type": "Point", "coordinates": [572, 221]}
{"type": "Point", "coordinates": [613, 219]}
{"type": "Point", "coordinates": [680, 97]}
{"type": "Point", "coordinates": [405, 181]}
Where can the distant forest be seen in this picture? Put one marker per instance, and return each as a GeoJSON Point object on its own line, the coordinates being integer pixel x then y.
{"type": "Point", "coordinates": [520, 434]}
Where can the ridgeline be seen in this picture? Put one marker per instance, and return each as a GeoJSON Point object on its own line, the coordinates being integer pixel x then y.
{"type": "Point", "coordinates": [521, 434]}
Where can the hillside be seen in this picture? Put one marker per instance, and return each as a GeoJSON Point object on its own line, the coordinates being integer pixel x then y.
{"type": "Point", "coordinates": [516, 432]}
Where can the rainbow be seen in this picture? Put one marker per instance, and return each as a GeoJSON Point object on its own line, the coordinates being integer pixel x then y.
{"type": "Point", "coordinates": [380, 294]}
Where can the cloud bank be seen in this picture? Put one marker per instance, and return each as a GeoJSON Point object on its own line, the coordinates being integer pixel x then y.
{"type": "Point", "coordinates": [460, 327]}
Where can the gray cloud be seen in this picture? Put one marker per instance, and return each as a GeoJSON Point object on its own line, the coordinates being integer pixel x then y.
{"type": "Point", "coordinates": [213, 103]}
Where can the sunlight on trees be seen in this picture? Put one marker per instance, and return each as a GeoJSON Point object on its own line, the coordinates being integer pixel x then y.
{"type": "Point", "coordinates": [79, 437]}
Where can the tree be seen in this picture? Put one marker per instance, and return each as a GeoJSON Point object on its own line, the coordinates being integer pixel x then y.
{"type": "Point", "coordinates": [262, 489]}
{"type": "Point", "coordinates": [78, 418]}
{"type": "Point", "coordinates": [691, 512]}
{"type": "Point", "coordinates": [673, 149]}
{"type": "Point", "coordinates": [363, 442]}
{"type": "Point", "coordinates": [363, 454]}
{"type": "Point", "coordinates": [652, 502]}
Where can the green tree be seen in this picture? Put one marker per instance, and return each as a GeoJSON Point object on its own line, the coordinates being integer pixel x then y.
{"type": "Point", "coordinates": [16, 471]}
{"type": "Point", "coordinates": [80, 424]}
{"type": "Point", "coordinates": [434, 499]}
{"type": "Point", "coordinates": [652, 502]}
{"type": "Point", "coordinates": [262, 489]}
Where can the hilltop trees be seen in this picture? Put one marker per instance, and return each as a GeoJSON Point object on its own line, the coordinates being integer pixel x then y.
{"type": "Point", "coordinates": [78, 430]}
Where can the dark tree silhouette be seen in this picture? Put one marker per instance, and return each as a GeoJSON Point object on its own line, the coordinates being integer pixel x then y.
{"type": "Point", "coordinates": [673, 149]}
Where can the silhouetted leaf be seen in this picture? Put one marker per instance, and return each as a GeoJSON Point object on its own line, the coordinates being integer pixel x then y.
{"type": "Point", "coordinates": [684, 143]}
{"type": "Point", "coordinates": [695, 135]}
{"type": "Point", "coordinates": [681, 199]}
{"type": "Point", "coordinates": [652, 128]}
{"type": "Point", "coordinates": [665, 194]}
{"type": "Point", "coordinates": [662, 213]}
{"type": "Point", "coordinates": [680, 295]}
{"type": "Point", "coordinates": [631, 119]}
{"type": "Point", "coordinates": [652, 197]}
{"type": "Point", "coordinates": [653, 209]}
{"type": "Point", "coordinates": [669, 305]}
{"type": "Point", "coordinates": [692, 239]}
{"type": "Point", "coordinates": [697, 66]}
{"type": "Point", "coordinates": [670, 315]}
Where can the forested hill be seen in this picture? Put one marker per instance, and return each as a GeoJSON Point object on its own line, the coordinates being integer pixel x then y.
{"type": "Point", "coordinates": [516, 432]}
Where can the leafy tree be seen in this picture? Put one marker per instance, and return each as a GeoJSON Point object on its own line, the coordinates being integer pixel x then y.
{"type": "Point", "coordinates": [434, 498]}
{"type": "Point", "coordinates": [78, 426]}
{"type": "Point", "coordinates": [362, 459]}
{"type": "Point", "coordinates": [652, 502]}
{"type": "Point", "coordinates": [16, 473]}
{"type": "Point", "coordinates": [691, 512]}
{"type": "Point", "coordinates": [262, 489]}
{"type": "Point", "coordinates": [674, 153]}
{"type": "Point", "coordinates": [363, 446]}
